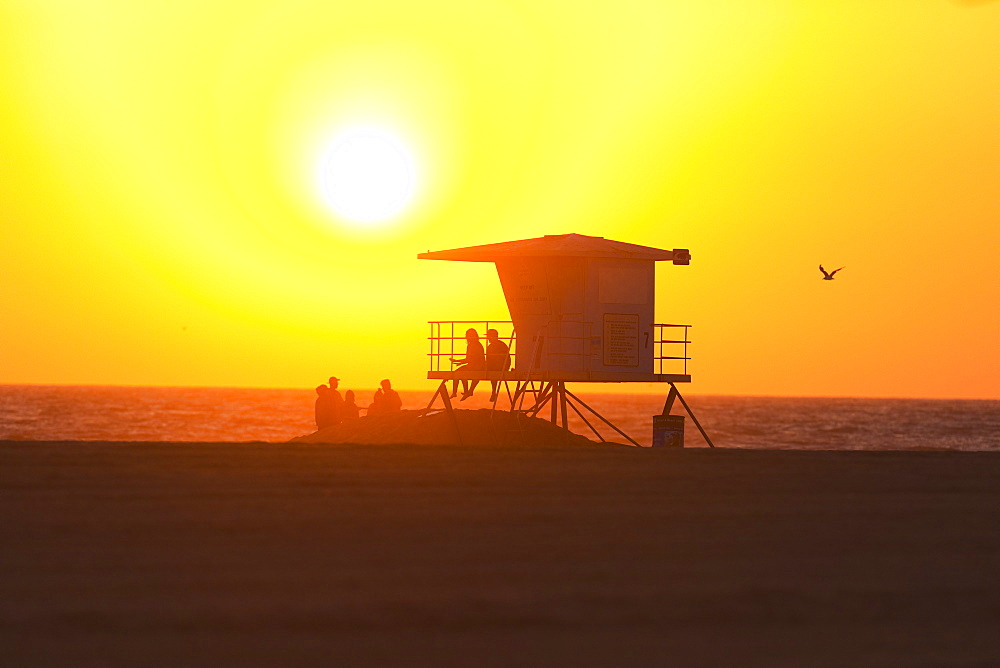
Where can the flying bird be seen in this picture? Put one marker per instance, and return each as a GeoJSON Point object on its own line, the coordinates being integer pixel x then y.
{"type": "Point", "coordinates": [828, 275]}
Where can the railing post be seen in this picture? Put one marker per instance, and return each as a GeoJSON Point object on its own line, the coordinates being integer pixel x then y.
{"type": "Point", "coordinates": [686, 339]}
{"type": "Point", "coordinates": [659, 349]}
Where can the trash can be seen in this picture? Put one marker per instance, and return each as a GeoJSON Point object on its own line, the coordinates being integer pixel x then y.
{"type": "Point", "coordinates": [668, 431]}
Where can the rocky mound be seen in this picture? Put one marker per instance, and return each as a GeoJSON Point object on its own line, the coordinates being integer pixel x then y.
{"type": "Point", "coordinates": [477, 427]}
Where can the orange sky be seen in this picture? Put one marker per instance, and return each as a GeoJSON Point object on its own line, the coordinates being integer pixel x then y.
{"type": "Point", "coordinates": [162, 222]}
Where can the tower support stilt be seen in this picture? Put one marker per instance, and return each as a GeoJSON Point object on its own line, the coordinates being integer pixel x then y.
{"type": "Point", "coordinates": [442, 391]}
{"type": "Point", "coordinates": [669, 403]}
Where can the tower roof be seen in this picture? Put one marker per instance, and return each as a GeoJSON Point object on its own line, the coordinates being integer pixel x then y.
{"type": "Point", "coordinates": [551, 245]}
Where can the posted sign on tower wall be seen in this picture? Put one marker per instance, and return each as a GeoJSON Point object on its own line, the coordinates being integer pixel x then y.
{"type": "Point", "coordinates": [621, 339]}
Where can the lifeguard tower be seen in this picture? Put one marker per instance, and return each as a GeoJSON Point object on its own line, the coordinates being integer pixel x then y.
{"type": "Point", "coordinates": [582, 311]}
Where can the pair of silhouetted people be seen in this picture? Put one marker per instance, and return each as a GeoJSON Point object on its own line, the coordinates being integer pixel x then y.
{"type": "Point", "coordinates": [386, 400]}
{"type": "Point", "coordinates": [477, 363]}
{"type": "Point", "coordinates": [330, 407]}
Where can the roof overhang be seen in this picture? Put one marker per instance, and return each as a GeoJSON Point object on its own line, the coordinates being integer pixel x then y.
{"type": "Point", "coordinates": [556, 245]}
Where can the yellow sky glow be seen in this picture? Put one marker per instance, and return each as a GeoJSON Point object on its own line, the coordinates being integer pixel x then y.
{"type": "Point", "coordinates": [163, 222]}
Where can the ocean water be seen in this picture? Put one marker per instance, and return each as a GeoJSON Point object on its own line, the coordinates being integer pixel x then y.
{"type": "Point", "coordinates": [35, 412]}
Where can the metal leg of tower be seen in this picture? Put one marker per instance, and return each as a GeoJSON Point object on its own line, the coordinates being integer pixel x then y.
{"type": "Point", "coordinates": [602, 418]}
{"type": "Point", "coordinates": [674, 390]}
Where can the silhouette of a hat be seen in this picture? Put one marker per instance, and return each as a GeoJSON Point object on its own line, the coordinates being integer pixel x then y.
{"type": "Point", "coordinates": [334, 378]}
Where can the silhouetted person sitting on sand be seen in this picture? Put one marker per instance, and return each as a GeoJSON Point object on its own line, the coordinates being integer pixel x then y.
{"type": "Point", "coordinates": [497, 358]}
{"type": "Point", "coordinates": [351, 410]}
{"type": "Point", "coordinates": [471, 367]}
{"type": "Point", "coordinates": [336, 400]}
{"type": "Point", "coordinates": [386, 399]}
{"type": "Point", "coordinates": [325, 409]}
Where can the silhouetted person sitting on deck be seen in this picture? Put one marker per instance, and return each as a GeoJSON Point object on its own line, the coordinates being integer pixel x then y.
{"type": "Point", "coordinates": [471, 367]}
{"type": "Point", "coordinates": [351, 410]}
{"type": "Point", "coordinates": [325, 409]}
{"type": "Point", "coordinates": [497, 359]}
{"type": "Point", "coordinates": [386, 400]}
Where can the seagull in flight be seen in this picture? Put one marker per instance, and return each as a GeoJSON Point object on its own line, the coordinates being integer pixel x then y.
{"type": "Point", "coordinates": [828, 275]}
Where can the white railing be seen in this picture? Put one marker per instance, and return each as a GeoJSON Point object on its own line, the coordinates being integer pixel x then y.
{"type": "Point", "coordinates": [563, 339]}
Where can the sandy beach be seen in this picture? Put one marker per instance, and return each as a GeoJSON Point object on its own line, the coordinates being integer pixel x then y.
{"type": "Point", "coordinates": [198, 553]}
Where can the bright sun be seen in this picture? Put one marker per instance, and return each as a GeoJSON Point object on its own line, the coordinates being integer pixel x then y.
{"type": "Point", "coordinates": [367, 175]}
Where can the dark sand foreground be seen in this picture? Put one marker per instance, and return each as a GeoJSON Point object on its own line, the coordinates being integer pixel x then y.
{"type": "Point", "coordinates": [195, 554]}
